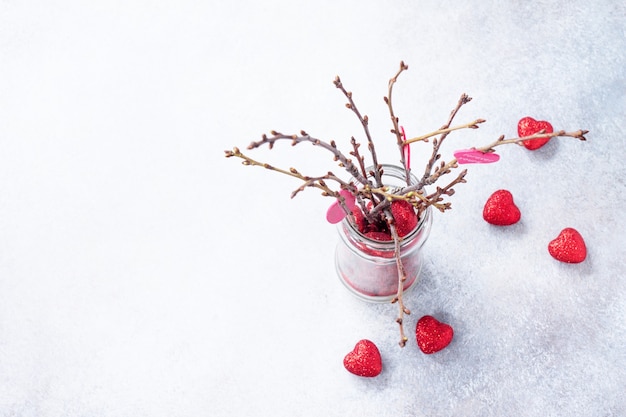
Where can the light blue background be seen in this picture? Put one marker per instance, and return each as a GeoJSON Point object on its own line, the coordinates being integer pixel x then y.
{"type": "Point", "coordinates": [144, 274]}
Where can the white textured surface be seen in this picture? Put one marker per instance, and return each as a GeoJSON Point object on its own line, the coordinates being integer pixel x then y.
{"type": "Point", "coordinates": [144, 274]}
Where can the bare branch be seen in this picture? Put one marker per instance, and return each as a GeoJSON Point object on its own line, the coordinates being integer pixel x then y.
{"type": "Point", "coordinates": [344, 161]}
{"type": "Point", "coordinates": [399, 298]}
{"type": "Point", "coordinates": [394, 120]}
{"type": "Point", "coordinates": [444, 131]}
{"type": "Point", "coordinates": [365, 123]}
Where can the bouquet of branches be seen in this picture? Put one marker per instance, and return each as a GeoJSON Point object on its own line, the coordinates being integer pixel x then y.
{"type": "Point", "coordinates": [377, 210]}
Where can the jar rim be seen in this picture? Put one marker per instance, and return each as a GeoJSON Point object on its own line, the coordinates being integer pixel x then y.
{"type": "Point", "coordinates": [389, 244]}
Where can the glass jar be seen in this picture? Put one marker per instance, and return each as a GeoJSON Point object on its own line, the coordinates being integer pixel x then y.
{"type": "Point", "coordinates": [368, 267]}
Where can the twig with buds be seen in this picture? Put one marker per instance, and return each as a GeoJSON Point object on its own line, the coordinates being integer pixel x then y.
{"type": "Point", "coordinates": [377, 174]}
{"type": "Point", "coordinates": [395, 121]}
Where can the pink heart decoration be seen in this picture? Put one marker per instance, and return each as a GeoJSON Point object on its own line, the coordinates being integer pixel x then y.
{"type": "Point", "coordinates": [407, 150]}
{"type": "Point", "coordinates": [335, 213]}
{"type": "Point", "coordinates": [474, 156]}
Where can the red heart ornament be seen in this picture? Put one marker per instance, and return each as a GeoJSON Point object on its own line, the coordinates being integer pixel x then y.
{"type": "Point", "coordinates": [364, 360]}
{"type": "Point", "coordinates": [404, 217]}
{"type": "Point", "coordinates": [528, 126]}
{"type": "Point", "coordinates": [432, 335]}
{"type": "Point", "coordinates": [569, 246]}
{"type": "Point", "coordinates": [500, 209]}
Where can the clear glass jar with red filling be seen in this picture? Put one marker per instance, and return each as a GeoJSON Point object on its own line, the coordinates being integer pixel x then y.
{"type": "Point", "coordinates": [368, 267]}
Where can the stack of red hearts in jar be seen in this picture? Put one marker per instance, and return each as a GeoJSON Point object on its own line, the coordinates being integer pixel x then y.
{"type": "Point", "coordinates": [405, 220]}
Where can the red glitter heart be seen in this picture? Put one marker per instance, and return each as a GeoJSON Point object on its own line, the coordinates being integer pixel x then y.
{"type": "Point", "coordinates": [432, 335]}
{"type": "Point", "coordinates": [500, 209]}
{"type": "Point", "coordinates": [364, 360]}
{"type": "Point", "coordinates": [528, 126]}
{"type": "Point", "coordinates": [404, 216]}
{"type": "Point", "coordinates": [569, 246]}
